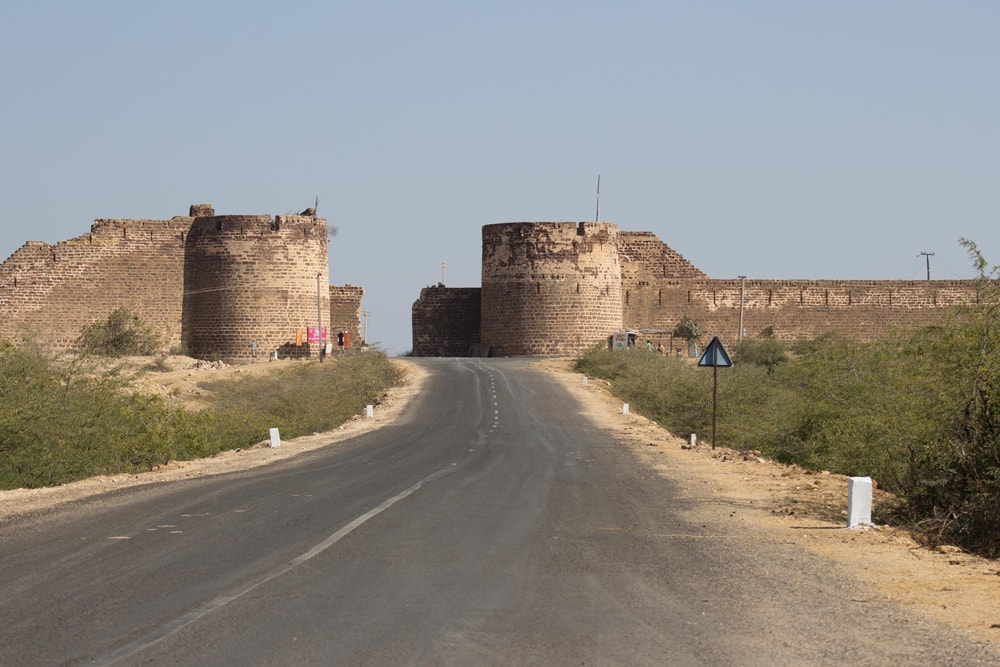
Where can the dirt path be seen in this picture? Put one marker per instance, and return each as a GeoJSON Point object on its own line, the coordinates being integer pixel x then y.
{"type": "Point", "coordinates": [784, 503]}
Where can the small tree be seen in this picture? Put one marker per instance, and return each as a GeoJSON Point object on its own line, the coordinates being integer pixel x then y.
{"type": "Point", "coordinates": [689, 330]}
{"type": "Point", "coordinates": [122, 333]}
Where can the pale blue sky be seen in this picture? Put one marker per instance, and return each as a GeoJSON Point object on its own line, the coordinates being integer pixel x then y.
{"type": "Point", "coordinates": [771, 139]}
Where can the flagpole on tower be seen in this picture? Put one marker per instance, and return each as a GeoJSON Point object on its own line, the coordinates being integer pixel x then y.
{"type": "Point", "coordinates": [597, 218]}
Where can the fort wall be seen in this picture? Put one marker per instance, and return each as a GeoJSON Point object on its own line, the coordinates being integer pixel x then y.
{"type": "Point", "coordinates": [345, 312]}
{"type": "Point", "coordinates": [551, 288]}
{"type": "Point", "coordinates": [646, 258]}
{"type": "Point", "coordinates": [557, 288]}
{"type": "Point", "coordinates": [207, 285]}
{"type": "Point", "coordinates": [56, 290]}
{"type": "Point", "coordinates": [793, 309]}
{"type": "Point", "coordinates": [251, 278]}
{"type": "Point", "coordinates": [446, 322]}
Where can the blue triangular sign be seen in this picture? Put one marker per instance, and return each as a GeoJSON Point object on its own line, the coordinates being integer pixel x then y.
{"type": "Point", "coordinates": [715, 355]}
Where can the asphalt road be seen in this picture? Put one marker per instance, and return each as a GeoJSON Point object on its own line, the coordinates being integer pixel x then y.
{"type": "Point", "coordinates": [492, 525]}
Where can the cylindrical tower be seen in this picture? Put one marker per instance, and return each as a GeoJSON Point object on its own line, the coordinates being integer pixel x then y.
{"type": "Point", "coordinates": [549, 288]}
{"type": "Point", "coordinates": [254, 285]}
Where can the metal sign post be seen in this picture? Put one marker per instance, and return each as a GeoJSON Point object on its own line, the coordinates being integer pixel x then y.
{"type": "Point", "coordinates": [715, 356]}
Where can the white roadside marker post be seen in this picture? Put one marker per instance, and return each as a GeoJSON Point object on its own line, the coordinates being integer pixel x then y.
{"type": "Point", "coordinates": [369, 411]}
{"type": "Point", "coordinates": [694, 439]}
{"type": "Point", "coordinates": [859, 502]}
{"type": "Point", "coordinates": [625, 409]}
{"type": "Point", "coordinates": [275, 438]}
{"type": "Point", "coordinates": [584, 380]}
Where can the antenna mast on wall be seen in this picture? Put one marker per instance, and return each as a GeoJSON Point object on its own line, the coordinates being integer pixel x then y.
{"type": "Point", "coordinates": [597, 217]}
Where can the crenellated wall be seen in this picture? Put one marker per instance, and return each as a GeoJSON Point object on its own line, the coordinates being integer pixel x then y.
{"type": "Point", "coordinates": [208, 285]}
{"type": "Point", "coordinates": [794, 309]}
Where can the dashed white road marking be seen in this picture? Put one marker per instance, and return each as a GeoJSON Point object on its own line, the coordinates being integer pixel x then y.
{"type": "Point", "coordinates": [195, 614]}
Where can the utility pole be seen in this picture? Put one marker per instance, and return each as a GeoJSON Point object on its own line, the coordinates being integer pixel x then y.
{"type": "Point", "coordinates": [319, 315]}
{"type": "Point", "coordinates": [743, 287]}
{"type": "Point", "coordinates": [927, 256]}
{"type": "Point", "coordinates": [364, 330]}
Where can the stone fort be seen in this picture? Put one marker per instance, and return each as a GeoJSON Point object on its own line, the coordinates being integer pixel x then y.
{"type": "Point", "coordinates": [234, 287]}
{"type": "Point", "coordinates": [558, 288]}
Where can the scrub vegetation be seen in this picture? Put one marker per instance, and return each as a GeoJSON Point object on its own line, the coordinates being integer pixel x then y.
{"type": "Point", "coordinates": [74, 416]}
{"type": "Point", "coordinates": [122, 333]}
{"type": "Point", "coordinates": [919, 412]}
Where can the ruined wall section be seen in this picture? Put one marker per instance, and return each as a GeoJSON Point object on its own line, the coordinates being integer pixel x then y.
{"type": "Point", "coordinates": [645, 258]}
{"type": "Point", "coordinates": [251, 278]}
{"type": "Point", "coordinates": [794, 309]}
{"type": "Point", "coordinates": [345, 312]}
{"type": "Point", "coordinates": [56, 290]}
{"type": "Point", "coordinates": [446, 322]}
{"type": "Point", "coordinates": [549, 288]}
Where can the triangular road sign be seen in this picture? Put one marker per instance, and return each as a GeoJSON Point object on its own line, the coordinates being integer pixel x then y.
{"type": "Point", "coordinates": [715, 355]}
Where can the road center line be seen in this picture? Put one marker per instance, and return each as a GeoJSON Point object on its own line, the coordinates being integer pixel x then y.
{"type": "Point", "coordinates": [173, 626]}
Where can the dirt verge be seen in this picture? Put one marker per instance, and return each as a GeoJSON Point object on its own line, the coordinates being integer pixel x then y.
{"type": "Point", "coordinates": [808, 509]}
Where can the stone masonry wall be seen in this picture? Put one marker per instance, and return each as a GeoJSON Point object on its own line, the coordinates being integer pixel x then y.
{"type": "Point", "coordinates": [56, 290]}
{"type": "Point", "coordinates": [446, 322]}
{"type": "Point", "coordinates": [208, 285]}
{"type": "Point", "coordinates": [251, 278]}
{"type": "Point", "coordinates": [549, 288]}
{"type": "Point", "coordinates": [345, 312]}
{"type": "Point", "coordinates": [794, 309]}
{"type": "Point", "coordinates": [646, 258]}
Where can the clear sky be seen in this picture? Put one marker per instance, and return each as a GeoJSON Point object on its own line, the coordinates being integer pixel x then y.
{"type": "Point", "coordinates": [770, 139]}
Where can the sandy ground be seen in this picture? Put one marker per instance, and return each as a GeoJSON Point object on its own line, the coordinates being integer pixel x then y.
{"type": "Point", "coordinates": [784, 503]}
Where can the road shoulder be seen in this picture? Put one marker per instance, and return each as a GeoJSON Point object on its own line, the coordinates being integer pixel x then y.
{"type": "Point", "coordinates": [794, 506]}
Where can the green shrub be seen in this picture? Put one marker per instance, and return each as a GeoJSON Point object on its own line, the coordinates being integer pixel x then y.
{"type": "Point", "coordinates": [63, 419]}
{"type": "Point", "coordinates": [668, 389]}
{"type": "Point", "coordinates": [917, 411]}
{"type": "Point", "coordinates": [122, 333]}
{"type": "Point", "coordinates": [766, 352]}
{"type": "Point", "coordinates": [311, 397]}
